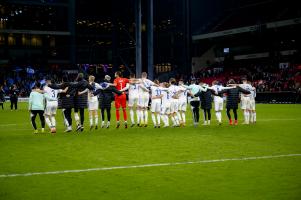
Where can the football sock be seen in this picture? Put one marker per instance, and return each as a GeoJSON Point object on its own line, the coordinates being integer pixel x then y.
{"type": "Point", "coordinates": [91, 119]}
{"type": "Point", "coordinates": [48, 122]}
{"type": "Point", "coordinates": [132, 116]}
{"type": "Point", "coordinates": [146, 116]}
{"type": "Point", "coordinates": [76, 117]}
{"type": "Point", "coordinates": [154, 119]}
{"type": "Point", "coordinates": [184, 117]}
{"type": "Point", "coordinates": [53, 121]}
{"type": "Point", "coordinates": [117, 115]}
{"type": "Point", "coordinates": [96, 119]}
{"type": "Point", "coordinates": [158, 119]}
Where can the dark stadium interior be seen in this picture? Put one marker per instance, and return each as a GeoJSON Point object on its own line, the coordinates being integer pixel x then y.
{"type": "Point", "coordinates": [57, 35]}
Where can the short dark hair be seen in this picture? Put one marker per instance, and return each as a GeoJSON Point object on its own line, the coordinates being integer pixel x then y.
{"type": "Point", "coordinates": [172, 81]}
{"type": "Point", "coordinates": [80, 77]}
{"type": "Point", "coordinates": [132, 75]}
{"type": "Point", "coordinates": [37, 85]}
{"type": "Point", "coordinates": [231, 81]}
{"type": "Point", "coordinates": [48, 78]}
{"type": "Point", "coordinates": [119, 73]}
{"type": "Point", "coordinates": [65, 79]}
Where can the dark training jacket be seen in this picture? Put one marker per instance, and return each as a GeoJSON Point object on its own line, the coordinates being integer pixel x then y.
{"type": "Point", "coordinates": [106, 96]}
{"type": "Point", "coordinates": [205, 98]}
{"type": "Point", "coordinates": [233, 96]}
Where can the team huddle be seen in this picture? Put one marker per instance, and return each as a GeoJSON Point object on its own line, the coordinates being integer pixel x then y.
{"type": "Point", "coordinates": [167, 101]}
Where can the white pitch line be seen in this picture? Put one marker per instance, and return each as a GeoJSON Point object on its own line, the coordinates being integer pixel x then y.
{"type": "Point", "coordinates": [148, 165]}
{"type": "Point", "coordinates": [8, 124]}
{"type": "Point", "coordinates": [279, 119]}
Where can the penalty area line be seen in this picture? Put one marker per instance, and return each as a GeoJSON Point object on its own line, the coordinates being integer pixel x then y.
{"type": "Point", "coordinates": [149, 165]}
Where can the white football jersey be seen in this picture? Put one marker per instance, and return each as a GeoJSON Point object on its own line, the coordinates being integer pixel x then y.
{"type": "Point", "coordinates": [247, 87]}
{"type": "Point", "coordinates": [147, 84]}
{"type": "Point", "coordinates": [173, 90]}
{"type": "Point", "coordinates": [92, 98]}
{"type": "Point", "coordinates": [253, 93]}
{"type": "Point", "coordinates": [183, 94]}
{"type": "Point", "coordinates": [166, 97]}
{"type": "Point", "coordinates": [155, 91]}
{"type": "Point", "coordinates": [51, 92]}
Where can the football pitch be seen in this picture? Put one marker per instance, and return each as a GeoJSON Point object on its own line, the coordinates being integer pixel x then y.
{"type": "Point", "coordinates": [261, 161]}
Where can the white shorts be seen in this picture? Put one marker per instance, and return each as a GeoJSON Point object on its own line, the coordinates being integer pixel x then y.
{"type": "Point", "coordinates": [245, 103]}
{"type": "Point", "coordinates": [143, 100]}
{"type": "Point", "coordinates": [156, 105]}
{"type": "Point", "coordinates": [165, 109]}
{"type": "Point", "coordinates": [51, 108]}
{"type": "Point", "coordinates": [92, 105]}
{"type": "Point", "coordinates": [252, 104]}
{"type": "Point", "coordinates": [218, 103]}
{"type": "Point", "coordinates": [174, 106]}
{"type": "Point", "coordinates": [133, 100]}
{"type": "Point", "coordinates": [182, 106]}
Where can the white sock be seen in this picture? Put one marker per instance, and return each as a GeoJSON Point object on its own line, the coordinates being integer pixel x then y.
{"type": "Point", "coordinates": [96, 119]}
{"type": "Point", "coordinates": [154, 119]}
{"type": "Point", "coordinates": [138, 116]}
{"type": "Point", "coordinates": [132, 116]}
{"type": "Point", "coordinates": [208, 122]}
{"type": "Point", "coordinates": [254, 116]}
{"type": "Point", "coordinates": [177, 119]}
{"type": "Point", "coordinates": [166, 120]}
{"type": "Point", "coordinates": [146, 116]}
{"type": "Point", "coordinates": [76, 117]}
{"type": "Point", "coordinates": [247, 116]}
{"type": "Point", "coordinates": [65, 120]}
{"type": "Point", "coordinates": [142, 116]}
{"type": "Point", "coordinates": [53, 121]}
{"type": "Point", "coordinates": [251, 117]}
{"type": "Point", "coordinates": [184, 117]}
{"type": "Point", "coordinates": [217, 116]}
{"type": "Point", "coordinates": [48, 122]}
{"type": "Point", "coordinates": [173, 120]}
{"type": "Point", "coordinates": [163, 119]}
{"type": "Point", "coordinates": [158, 119]}
{"type": "Point", "coordinates": [179, 116]}
{"type": "Point", "coordinates": [91, 119]}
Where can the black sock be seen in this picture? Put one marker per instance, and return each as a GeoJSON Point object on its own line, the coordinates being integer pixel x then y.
{"type": "Point", "coordinates": [235, 113]}
{"type": "Point", "coordinates": [228, 114]}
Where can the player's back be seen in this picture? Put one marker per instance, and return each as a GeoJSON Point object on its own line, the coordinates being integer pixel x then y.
{"type": "Point", "coordinates": [51, 92]}
{"type": "Point", "coordinates": [120, 83]}
{"type": "Point", "coordinates": [155, 91]}
{"type": "Point", "coordinates": [133, 89]}
{"type": "Point", "coordinates": [247, 87]}
{"type": "Point", "coordinates": [183, 93]}
{"type": "Point", "coordinates": [166, 97]}
{"type": "Point", "coordinates": [173, 89]}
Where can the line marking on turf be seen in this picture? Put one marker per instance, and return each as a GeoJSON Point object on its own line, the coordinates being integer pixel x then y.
{"type": "Point", "coordinates": [149, 165]}
{"type": "Point", "coordinates": [279, 119]}
{"type": "Point", "coordinates": [8, 124]}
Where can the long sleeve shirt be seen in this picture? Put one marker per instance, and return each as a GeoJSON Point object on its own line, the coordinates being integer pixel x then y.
{"type": "Point", "coordinates": [37, 100]}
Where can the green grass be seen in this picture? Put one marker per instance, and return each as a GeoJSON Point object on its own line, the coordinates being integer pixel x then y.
{"type": "Point", "coordinates": [276, 132]}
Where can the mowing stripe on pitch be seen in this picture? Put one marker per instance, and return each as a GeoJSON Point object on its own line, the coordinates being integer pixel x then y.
{"type": "Point", "coordinates": [149, 165]}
